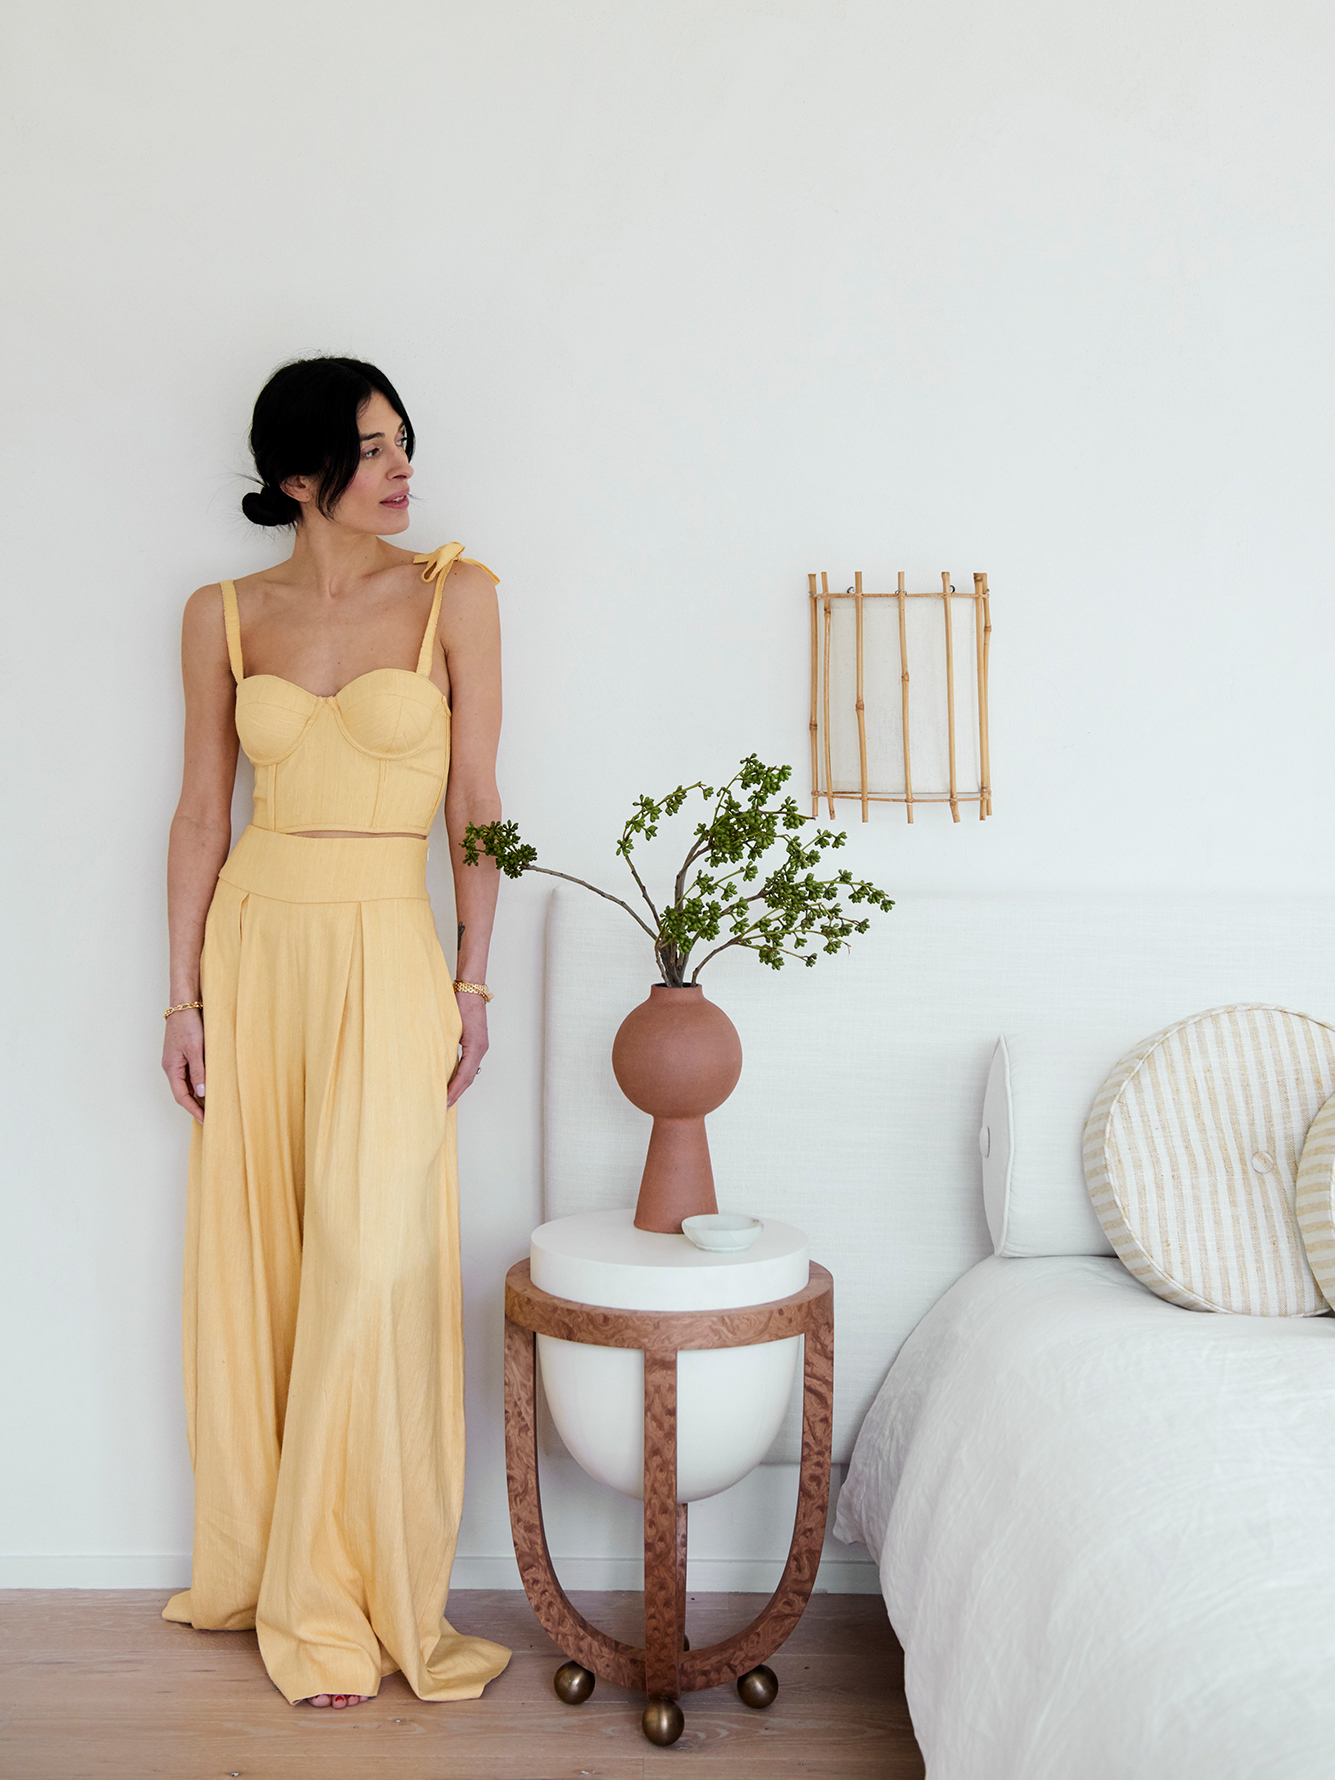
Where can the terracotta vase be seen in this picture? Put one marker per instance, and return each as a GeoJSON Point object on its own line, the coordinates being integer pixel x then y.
{"type": "Point", "coordinates": [676, 1056]}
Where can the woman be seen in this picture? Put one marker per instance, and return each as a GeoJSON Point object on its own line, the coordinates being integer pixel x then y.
{"type": "Point", "coordinates": [323, 1338]}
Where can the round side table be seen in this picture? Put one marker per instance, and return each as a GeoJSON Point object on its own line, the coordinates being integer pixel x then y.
{"type": "Point", "coordinates": [663, 1667]}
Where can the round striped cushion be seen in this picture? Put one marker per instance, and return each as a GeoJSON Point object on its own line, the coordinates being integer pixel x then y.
{"type": "Point", "coordinates": [1316, 1198]}
{"type": "Point", "coordinates": [1191, 1158]}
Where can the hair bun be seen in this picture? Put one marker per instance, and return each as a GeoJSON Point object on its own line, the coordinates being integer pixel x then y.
{"type": "Point", "coordinates": [270, 506]}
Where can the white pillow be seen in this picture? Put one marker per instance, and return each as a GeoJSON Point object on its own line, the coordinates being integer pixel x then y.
{"type": "Point", "coordinates": [1038, 1093]}
{"type": "Point", "coordinates": [1191, 1154]}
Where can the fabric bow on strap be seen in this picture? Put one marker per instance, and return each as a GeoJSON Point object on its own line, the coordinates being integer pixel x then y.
{"type": "Point", "coordinates": [438, 565]}
{"type": "Point", "coordinates": [440, 562]}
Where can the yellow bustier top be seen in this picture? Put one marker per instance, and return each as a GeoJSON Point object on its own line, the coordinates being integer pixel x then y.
{"type": "Point", "coordinates": [372, 758]}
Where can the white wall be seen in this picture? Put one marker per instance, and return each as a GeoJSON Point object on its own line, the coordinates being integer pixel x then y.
{"type": "Point", "coordinates": [685, 299]}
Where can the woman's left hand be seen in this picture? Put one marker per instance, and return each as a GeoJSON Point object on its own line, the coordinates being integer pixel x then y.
{"type": "Point", "coordinates": [473, 1038]}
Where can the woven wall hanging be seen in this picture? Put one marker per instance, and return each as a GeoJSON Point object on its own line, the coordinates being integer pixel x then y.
{"type": "Point", "coordinates": [899, 696]}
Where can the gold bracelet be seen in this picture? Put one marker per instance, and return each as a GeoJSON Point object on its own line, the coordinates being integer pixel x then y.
{"type": "Point", "coordinates": [180, 1008]}
{"type": "Point", "coordinates": [473, 989]}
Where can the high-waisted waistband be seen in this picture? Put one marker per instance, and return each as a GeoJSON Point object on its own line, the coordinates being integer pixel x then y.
{"type": "Point", "coordinates": [296, 868]}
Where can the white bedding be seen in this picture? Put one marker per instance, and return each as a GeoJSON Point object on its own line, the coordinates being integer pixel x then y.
{"type": "Point", "coordinates": [1106, 1531]}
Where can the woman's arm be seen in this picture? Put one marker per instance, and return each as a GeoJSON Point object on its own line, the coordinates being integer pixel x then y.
{"type": "Point", "coordinates": [201, 831]}
{"type": "Point", "coordinates": [471, 638]}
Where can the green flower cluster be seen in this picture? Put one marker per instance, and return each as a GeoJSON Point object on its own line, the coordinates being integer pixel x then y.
{"type": "Point", "coordinates": [791, 913]}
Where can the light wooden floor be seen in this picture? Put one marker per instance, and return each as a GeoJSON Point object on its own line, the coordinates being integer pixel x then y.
{"type": "Point", "coordinates": [95, 1685]}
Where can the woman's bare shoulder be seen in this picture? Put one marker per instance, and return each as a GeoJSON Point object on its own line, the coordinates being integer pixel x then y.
{"type": "Point", "coordinates": [204, 629]}
{"type": "Point", "coordinates": [204, 609]}
{"type": "Point", "coordinates": [471, 581]}
{"type": "Point", "coordinates": [470, 606]}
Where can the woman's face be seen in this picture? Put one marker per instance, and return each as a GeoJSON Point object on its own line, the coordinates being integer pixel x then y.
{"type": "Point", "coordinates": [376, 500]}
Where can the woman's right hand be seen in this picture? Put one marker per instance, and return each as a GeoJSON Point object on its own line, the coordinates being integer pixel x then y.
{"type": "Point", "coordinates": [183, 1060]}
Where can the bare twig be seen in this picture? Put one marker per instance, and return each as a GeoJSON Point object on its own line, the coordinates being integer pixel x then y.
{"type": "Point", "coordinates": [658, 919]}
{"type": "Point", "coordinates": [547, 872]}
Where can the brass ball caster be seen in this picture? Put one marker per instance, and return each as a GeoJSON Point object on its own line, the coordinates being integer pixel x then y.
{"type": "Point", "coordinates": [758, 1687]}
{"type": "Point", "coordinates": [663, 1722]}
{"type": "Point", "coordinates": [573, 1683]}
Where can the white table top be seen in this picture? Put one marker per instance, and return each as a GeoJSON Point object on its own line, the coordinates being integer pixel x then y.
{"type": "Point", "coordinates": [599, 1257]}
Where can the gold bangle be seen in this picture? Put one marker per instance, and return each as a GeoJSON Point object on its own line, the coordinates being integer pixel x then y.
{"type": "Point", "coordinates": [473, 989]}
{"type": "Point", "coordinates": [180, 1008]}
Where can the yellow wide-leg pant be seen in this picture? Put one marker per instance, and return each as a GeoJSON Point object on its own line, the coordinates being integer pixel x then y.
{"type": "Point", "coordinates": [323, 1329]}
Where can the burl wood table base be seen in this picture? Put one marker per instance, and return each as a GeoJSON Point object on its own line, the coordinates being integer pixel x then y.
{"type": "Point", "coordinates": [663, 1668]}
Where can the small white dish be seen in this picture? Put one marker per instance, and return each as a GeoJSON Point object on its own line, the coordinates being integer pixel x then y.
{"type": "Point", "coordinates": [721, 1232]}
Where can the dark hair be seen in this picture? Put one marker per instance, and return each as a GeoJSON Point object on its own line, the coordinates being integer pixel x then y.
{"type": "Point", "coordinates": [305, 424]}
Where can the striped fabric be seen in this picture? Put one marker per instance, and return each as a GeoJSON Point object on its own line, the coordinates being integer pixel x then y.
{"type": "Point", "coordinates": [1315, 1203]}
{"type": "Point", "coordinates": [1191, 1158]}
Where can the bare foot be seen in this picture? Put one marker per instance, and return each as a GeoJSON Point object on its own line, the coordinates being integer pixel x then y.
{"type": "Point", "coordinates": [337, 1700]}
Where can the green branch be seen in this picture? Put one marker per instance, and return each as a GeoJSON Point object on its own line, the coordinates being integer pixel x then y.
{"type": "Point", "coordinates": [744, 825]}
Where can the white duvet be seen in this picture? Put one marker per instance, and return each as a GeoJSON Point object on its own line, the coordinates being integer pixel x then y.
{"type": "Point", "coordinates": [1106, 1531]}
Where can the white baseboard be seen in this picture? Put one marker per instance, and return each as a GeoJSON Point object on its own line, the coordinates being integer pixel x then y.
{"type": "Point", "coordinates": [171, 1571]}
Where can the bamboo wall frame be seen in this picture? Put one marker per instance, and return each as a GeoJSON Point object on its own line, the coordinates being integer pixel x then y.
{"type": "Point", "coordinates": [822, 609]}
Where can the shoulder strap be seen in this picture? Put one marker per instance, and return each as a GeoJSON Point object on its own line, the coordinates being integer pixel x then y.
{"type": "Point", "coordinates": [438, 565]}
{"type": "Point", "coordinates": [474, 563]}
{"type": "Point", "coordinates": [232, 622]}
{"type": "Point", "coordinates": [429, 640]}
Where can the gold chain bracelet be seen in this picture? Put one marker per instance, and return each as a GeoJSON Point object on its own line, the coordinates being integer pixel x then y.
{"type": "Point", "coordinates": [180, 1008]}
{"type": "Point", "coordinates": [473, 989]}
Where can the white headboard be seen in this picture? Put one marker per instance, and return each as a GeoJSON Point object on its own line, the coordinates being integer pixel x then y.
{"type": "Point", "coordinates": [856, 1117]}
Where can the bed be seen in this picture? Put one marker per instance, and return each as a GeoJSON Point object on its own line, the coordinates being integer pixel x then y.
{"type": "Point", "coordinates": [1104, 1525]}
{"type": "Point", "coordinates": [1106, 1531]}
